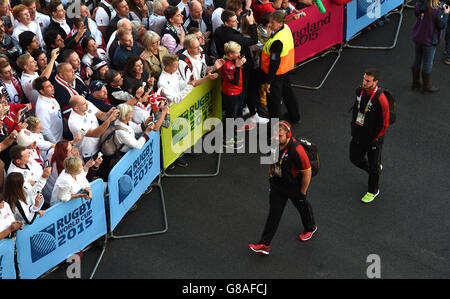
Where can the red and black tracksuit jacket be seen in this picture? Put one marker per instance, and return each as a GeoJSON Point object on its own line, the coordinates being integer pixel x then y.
{"type": "Point", "coordinates": [293, 161]}
{"type": "Point", "coordinates": [376, 119]}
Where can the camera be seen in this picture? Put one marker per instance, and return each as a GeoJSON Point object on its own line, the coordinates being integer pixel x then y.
{"type": "Point", "coordinates": [83, 191]}
{"type": "Point", "coordinates": [246, 12]}
{"type": "Point", "coordinates": [95, 157]}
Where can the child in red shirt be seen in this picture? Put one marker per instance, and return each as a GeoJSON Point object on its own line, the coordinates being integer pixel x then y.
{"type": "Point", "coordinates": [232, 96]}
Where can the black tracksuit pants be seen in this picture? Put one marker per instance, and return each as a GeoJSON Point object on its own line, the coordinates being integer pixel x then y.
{"type": "Point", "coordinates": [368, 158]}
{"type": "Point", "coordinates": [281, 89]}
{"type": "Point", "coordinates": [278, 199]}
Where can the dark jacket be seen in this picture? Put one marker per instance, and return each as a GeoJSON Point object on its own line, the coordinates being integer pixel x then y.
{"type": "Point", "coordinates": [189, 23]}
{"type": "Point", "coordinates": [292, 161]}
{"type": "Point", "coordinates": [376, 119]}
{"type": "Point", "coordinates": [224, 34]}
{"type": "Point", "coordinates": [55, 26]}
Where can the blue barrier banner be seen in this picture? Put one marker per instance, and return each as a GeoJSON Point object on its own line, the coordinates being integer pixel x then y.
{"type": "Point", "coordinates": [361, 13]}
{"type": "Point", "coordinates": [66, 228]}
{"type": "Point", "coordinates": [131, 176]}
{"type": "Point", "coordinates": [7, 268]}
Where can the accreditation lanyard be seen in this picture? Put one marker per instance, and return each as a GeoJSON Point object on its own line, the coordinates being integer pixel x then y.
{"type": "Point", "coordinates": [277, 167]}
{"type": "Point", "coordinates": [361, 116]}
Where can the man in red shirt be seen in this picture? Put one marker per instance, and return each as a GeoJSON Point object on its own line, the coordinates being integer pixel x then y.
{"type": "Point", "coordinates": [289, 179]}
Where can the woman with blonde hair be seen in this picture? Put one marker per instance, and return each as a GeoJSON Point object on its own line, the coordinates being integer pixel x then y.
{"type": "Point", "coordinates": [127, 130]}
{"type": "Point", "coordinates": [153, 53]}
{"type": "Point", "coordinates": [72, 182]}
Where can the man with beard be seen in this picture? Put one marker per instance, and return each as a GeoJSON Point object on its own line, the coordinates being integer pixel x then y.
{"type": "Point", "coordinates": [289, 179]}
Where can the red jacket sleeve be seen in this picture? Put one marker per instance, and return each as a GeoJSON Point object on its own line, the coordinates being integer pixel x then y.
{"type": "Point", "coordinates": [384, 115]}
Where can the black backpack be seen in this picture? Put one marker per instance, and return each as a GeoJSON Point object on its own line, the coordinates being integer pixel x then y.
{"type": "Point", "coordinates": [392, 106]}
{"type": "Point", "coordinates": [313, 154]}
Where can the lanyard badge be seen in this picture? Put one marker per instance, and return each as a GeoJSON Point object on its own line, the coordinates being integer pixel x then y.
{"type": "Point", "coordinates": [362, 115]}
{"type": "Point", "coordinates": [277, 166]}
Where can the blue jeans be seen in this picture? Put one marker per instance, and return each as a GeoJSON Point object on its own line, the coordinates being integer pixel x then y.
{"type": "Point", "coordinates": [424, 58]}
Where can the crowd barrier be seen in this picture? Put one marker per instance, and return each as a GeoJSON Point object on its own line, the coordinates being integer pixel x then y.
{"type": "Point", "coordinates": [317, 35]}
{"type": "Point", "coordinates": [7, 265]}
{"type": "Point", "coordinates": [130, 178]}
{"type": "Point", "coordinates": [66, 228]}
{"type": "Point", "coordinates": [361, 13]}
{"type": "Point", "coordinates": [317, 32]}
{"type": "Point", "coordinates": [190, 121]}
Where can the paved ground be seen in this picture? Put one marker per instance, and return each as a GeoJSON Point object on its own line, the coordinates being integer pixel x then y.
{"type": "Point", "coordinates": [211, 220]}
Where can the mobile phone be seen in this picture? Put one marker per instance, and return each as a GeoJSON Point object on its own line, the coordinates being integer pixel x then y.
{"type": "Point", "coordinates": [46, 163]}
{"type": "Point", "coordinates": [25, 109]}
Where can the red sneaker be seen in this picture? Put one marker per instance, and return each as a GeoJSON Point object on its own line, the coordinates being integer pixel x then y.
{"type": "Point", "coordinates": [259, 248]}
{"type": "Point", "coordinates": [306, 236]}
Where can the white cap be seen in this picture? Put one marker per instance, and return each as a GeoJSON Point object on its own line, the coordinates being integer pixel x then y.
{"type": "Point", "coordinates": [25, 138]}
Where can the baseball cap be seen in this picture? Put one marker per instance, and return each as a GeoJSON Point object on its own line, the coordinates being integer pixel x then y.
{"type": "Point", "coordinates": [96, 85]}
{"type": "Point", "coordinates": [25, 137]}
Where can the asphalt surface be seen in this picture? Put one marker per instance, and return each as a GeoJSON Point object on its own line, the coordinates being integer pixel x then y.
{"type": "Point", "coordinates": [212, 220]}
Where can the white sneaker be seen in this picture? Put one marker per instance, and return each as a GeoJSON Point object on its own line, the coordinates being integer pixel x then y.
{"type": "Point", "coordinates": [245, 111]}
{"type": "Point", "coordinates": [258, 119]}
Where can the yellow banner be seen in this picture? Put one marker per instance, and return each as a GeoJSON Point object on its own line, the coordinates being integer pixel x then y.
{"type": "Point", "coordinates": [187, 120]}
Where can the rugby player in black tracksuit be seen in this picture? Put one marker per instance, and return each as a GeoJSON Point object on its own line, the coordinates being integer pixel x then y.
{"type": "Point", "coordinates": [289, 178]}
{"type": "Point", "coordinates": [370, 119]}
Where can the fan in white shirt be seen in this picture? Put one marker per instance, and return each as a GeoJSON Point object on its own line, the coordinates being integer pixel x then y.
{"type": "Point", "coordinates": [18, 199]}
{"type": "Point", "coordinates": [128, 129]}
{"type": "Point", "coordinates": [39, 18]}
{"type": "Point", "coordinates": [192, 64]}
{"type": "Point", "coordinates": [83, 119]}
{"type": "Point", "coordinates": [103, 18]}
{"type": "Point", "coordinates": [48, 111]}
{"type": "Point", "coordinates": [170, 83]}
{"type": "Point", "coordinates": [8, 223]}
{"type": "Point", "coordinates": [35, 177]}
{"type": "Point", "coordinates": [71, 183]}
{"type": "Point", "coordinates": [29, 140]}
{"type": "Point", "coordinates": [90, 48]}
{"type": "Point", "coordinates": [22, 15]}
{"type": "Point", "coordinates": [35, 127]}
{"type": "Point", "coordinates": [29, 66]}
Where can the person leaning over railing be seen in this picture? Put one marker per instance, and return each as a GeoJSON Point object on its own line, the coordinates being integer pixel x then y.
{"type": "Point", "coordinates": [125, 135]}
{"type": "Point", "coordinates": [71, 183]}
{"type": "Point", "coordinates": [16, 197]}
{"type": "Point", "coordinates": [56, 157]}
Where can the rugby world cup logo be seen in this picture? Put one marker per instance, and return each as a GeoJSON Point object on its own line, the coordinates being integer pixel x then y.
{"type": "Point", "coordinates": [125, 184]}
{"type": "Point", "coordinates": [43, 243]}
